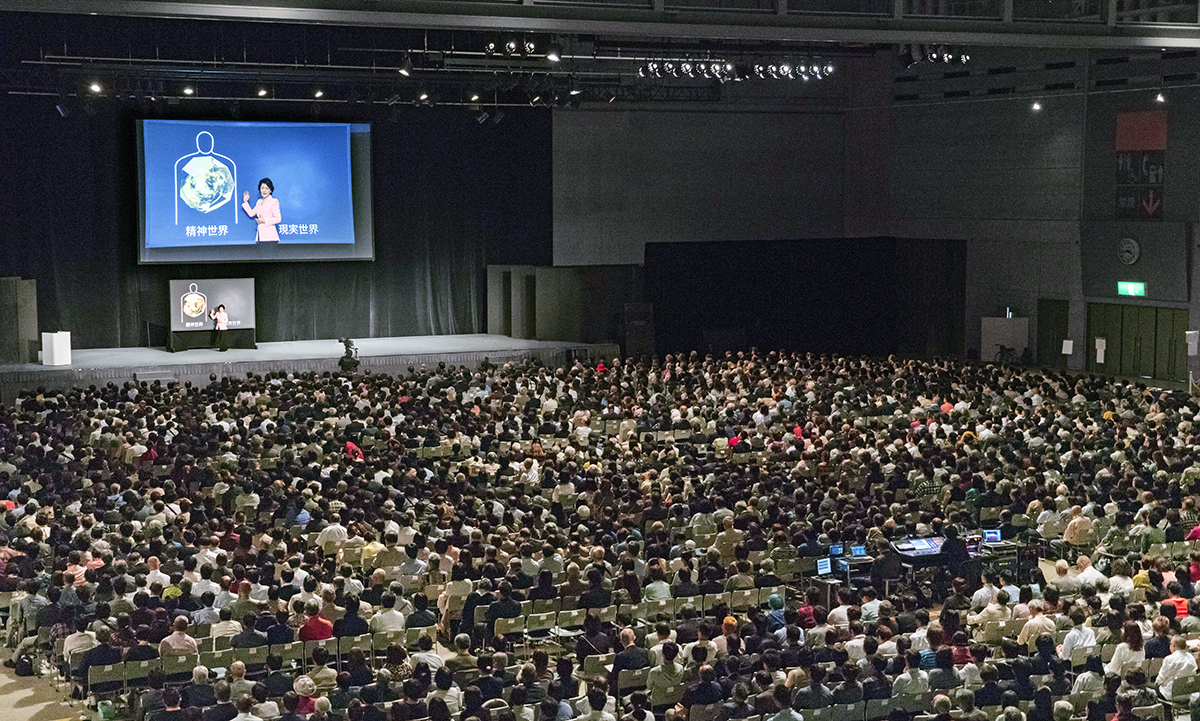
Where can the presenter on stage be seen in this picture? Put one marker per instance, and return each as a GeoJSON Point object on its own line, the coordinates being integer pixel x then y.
{"type": "Point", "coordinates": [220, 328]}
{"type": "Point", "coordinates": [265, 211]}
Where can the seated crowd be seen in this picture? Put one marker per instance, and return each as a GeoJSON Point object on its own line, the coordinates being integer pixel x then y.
{"type": "Point", "coordinates": [154, 522]}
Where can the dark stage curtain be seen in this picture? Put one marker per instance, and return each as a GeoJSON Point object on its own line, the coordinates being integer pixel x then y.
{"type": "Point", "coordinates": [450, 196]}
{"type": "Point", "coordinates": [870, 296]}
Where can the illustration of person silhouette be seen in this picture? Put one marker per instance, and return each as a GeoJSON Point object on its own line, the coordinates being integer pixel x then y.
{"type": "Point", "coordinates": [208, 183]}
{"type": "Point", "coordinates": [193, 304]}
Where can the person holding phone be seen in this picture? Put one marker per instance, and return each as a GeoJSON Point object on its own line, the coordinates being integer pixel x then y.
{"type": "Point", "coordinates": [265, 211]}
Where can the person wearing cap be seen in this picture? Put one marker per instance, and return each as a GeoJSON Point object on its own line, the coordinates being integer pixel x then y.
{"type": "Point", "coordinates": [306, 689]}
{"type": "Point", "coordinates": [775, 617]}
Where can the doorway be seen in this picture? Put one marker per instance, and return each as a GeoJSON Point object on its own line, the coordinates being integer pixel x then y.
{"type": "Point", "coordinates": [1140, 340]}
{"type": "Point", "coordinates": [1053, 317]}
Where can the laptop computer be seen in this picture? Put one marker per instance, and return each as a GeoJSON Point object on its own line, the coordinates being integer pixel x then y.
{"type": "Point", "coordinates": [858, 551]}
{"type": "Point", "coordinates": [991, 536]}
{"type": "Point", "coordinates": [824, 566]}
{"type": "Point", "coordinates": [836, 549]}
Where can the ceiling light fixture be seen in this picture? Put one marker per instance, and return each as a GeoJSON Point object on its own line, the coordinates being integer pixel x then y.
{"type": "Point", "coordinates": [554, 52]}
{"type": "Point", "coordinates": [319, 94]}
{"type": "Point", "coordinates": [406, 67]}
{"type": "Point", "coordinates": [188, 90]}
{"type": "Point", "coordinates": [262, 92]}
{"type": "Point", "coordinates": [95, 87]}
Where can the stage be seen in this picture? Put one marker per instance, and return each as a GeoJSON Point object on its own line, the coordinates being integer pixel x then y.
{"type": "Point", "coordinates": [98, 366]}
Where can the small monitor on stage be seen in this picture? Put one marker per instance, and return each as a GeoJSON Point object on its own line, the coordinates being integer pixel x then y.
{"type": "Point", "coordinates": [858, 551]}
{"type": "Point", "coordinates": [991, 535]}
{"type": "Point", "coordinates": [836, 549]}
{"type": "Point", "coordinates": [824, 567]}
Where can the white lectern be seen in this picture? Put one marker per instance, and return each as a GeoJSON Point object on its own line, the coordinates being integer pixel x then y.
{"type": "Point", "coordinates": [56, 349]}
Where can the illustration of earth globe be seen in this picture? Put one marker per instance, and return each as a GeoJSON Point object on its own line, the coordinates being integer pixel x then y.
{"type": "Point", "coordinates": [208, 185]}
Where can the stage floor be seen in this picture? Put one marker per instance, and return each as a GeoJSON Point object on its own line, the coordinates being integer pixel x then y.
{"type": "Point", "coordinates": [383, 355]}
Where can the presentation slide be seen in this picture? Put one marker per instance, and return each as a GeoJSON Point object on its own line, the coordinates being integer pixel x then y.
{"type": "Point", "coordinates": [220, 191]}
{"type": "Point", "coordinates": [195, 300]}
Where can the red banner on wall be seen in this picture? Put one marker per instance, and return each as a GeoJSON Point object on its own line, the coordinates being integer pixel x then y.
{"type": "Point", "coordinates": [1141, 131]}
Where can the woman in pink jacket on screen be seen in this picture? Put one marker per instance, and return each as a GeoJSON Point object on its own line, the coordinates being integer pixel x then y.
{"type": "Point", "coordinates": [265, 211]}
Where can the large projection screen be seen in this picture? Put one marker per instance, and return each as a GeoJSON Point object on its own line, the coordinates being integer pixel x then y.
{"type": "Point", "coordinates": [308, 188]}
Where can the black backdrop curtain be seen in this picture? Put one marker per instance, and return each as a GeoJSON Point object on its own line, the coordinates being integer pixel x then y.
{"type": "Point", "coordinates": [450, 196]}
{"type": "Point", "coordinates": [870, 296]}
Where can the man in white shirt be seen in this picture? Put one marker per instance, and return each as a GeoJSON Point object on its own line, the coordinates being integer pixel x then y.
{"type": "Point", "coordinates": [854, 647]}
{"type": "Point", "coordinates": [919, 640]}
{"type": "Point", "coordinates": [81, 640]}
{"type": "Point", "coordinates": [1179, 664]}
{"type": "Point", "coordinates": [389, 619]}
{"type": "Point", "coordinates": [914, 681]}
{"type": "Point", "coordinates": [1078, 637]}
{"type": "Point", "coordinates": [155, 574]}
{"type": "Point", "coordinates": [1088, 575]}
{"type": "Point", "coordinates": [837, 617]}
{"type": "Point", "coordinates": [1064, 581]}
{"type": "Point", "coordinates": [1037, 625]}
{"type": "Point", "coordinates": [335, 532]}
{"type": "Point", "coordinates": [870, 606]}
{"type": "Point", "coordinates": [413, 566]}
{"type": "Point", "coordinates": [996, 610]}
{"type": "Point", "coordinates": [986, 593]}
{"type": "Point", "coordinates": [596, 701]}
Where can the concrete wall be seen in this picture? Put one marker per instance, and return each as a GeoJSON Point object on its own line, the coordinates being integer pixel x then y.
{"type": "Point", "coordinates": [626, 178]}
{"type": "Point", "coordinates": [581, 304]}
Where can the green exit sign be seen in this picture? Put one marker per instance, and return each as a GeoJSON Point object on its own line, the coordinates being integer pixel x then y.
{"type": "Point", "coordinates": [1127, 288]}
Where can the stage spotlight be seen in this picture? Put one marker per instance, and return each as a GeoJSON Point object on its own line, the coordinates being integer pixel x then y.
{"type": "Point", "coordinates": [482, 117]}
{"type": "Point", "coordinates": [510, 46]}
{"type": "Point", "coordinates": [490, 48]}
{"type": "Point", "coordinates": [1159, 98]}
{"type": "Point", "coordinates": [95, 87]}
{"type": "Point", "coordinates": [670, 69]}
{"type": "Point", "coordinates": [529, 48]}
{"type": "Point", "coordinates": [474, 97]}
{"type": "Point", "coordinates": [188, 90]}
{"type": "Point", "coordinates": [406, 67]}
{"type": "Point", "coordinates": [554, 52]}
{"type": "Point", "coordinates": [785, 69]}
{"type": "Point", "coordinates": [829, 69]}
{"type": "Point", "coordinates": [319, 94]}
{"type": "Point", "coordinates": [1036, 106]}
{"type": "Point", "coordinates": [964, 58]}
{"type": "Point", "coordinates": [760, 71]}
{"type": "Point", "coordinates": [687, 68]}
{"type": "Point", "coordinates": [262, 92]}
{"type": "Point", "coordinates": [642, 72]}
